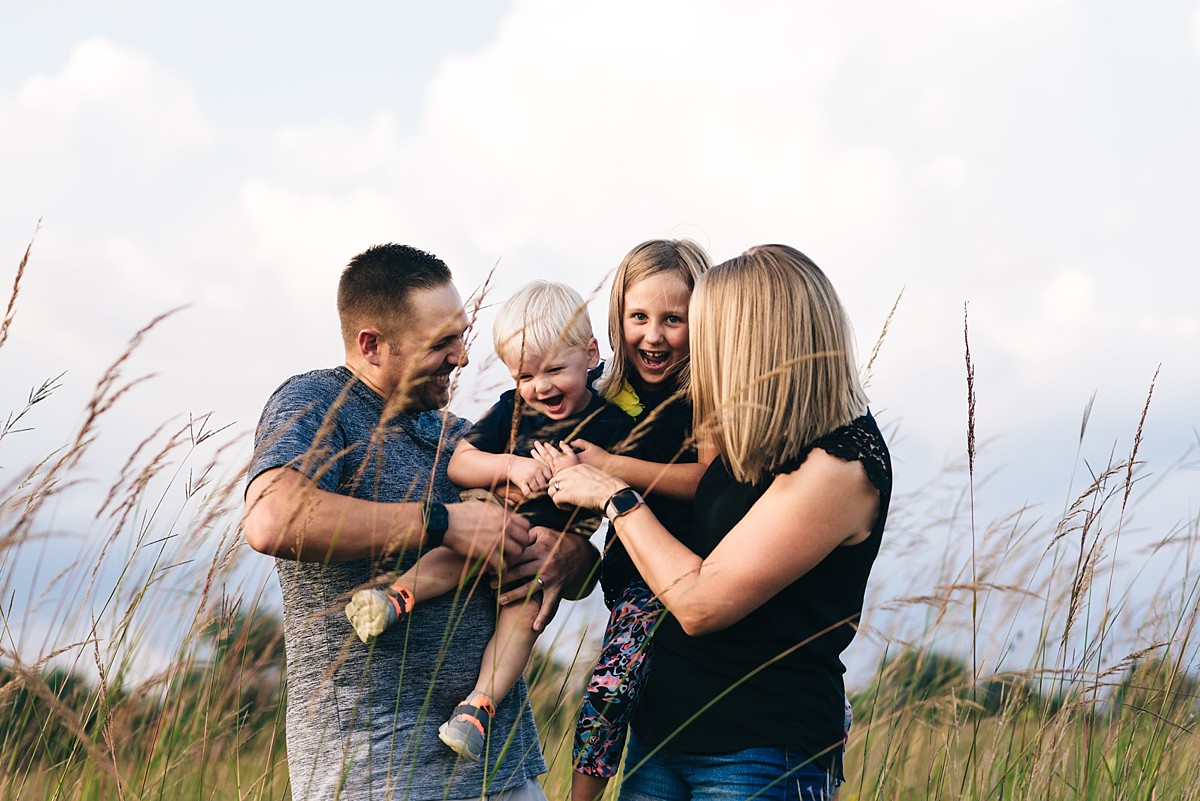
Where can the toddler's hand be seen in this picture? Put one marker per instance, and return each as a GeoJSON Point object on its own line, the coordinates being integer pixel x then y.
{"type": "Point", "coordinates": [529, 475]}
{"type": "Point", "coordinates": [555, 458]}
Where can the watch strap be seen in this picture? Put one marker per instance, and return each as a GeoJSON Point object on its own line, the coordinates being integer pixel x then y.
{"type": "Point", "coordinates": [622, 502]}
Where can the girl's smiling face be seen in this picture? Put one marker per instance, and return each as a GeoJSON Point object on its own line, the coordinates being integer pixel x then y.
{"type": "Point", "coordinates": [655, 326]}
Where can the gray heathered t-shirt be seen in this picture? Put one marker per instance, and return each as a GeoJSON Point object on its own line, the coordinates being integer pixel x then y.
{"type": "Point", "coordinates": [362, 720]}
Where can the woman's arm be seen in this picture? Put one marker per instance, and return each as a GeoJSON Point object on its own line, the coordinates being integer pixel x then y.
{"type": "Point", "coordinates": [676, 480]}
{"type": "Point", "coordinates": [797, 522]}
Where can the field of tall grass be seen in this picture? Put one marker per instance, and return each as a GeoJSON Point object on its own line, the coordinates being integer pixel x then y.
{"type": "Point", "coordinates": [136, 661]}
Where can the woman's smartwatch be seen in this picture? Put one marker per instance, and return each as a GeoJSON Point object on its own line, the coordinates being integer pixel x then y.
{"type": "Point", "coordinates": [622, 502]}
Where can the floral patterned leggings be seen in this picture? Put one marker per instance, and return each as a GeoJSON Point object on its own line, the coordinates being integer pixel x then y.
{"type": "Point", "coordinates": [616, 682]}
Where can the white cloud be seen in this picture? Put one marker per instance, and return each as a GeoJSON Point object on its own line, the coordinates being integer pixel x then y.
{"type": "Point", "coordinates": [968, 153]}
{"type": "Point", "coordinates": [674, 113]}
{"type": "Point", "coordinates": [126, 95]}
{"type": "Point", "coordinates": [337, 151]}
{"type": "Point", "coordinates": [949, 171]}
{"type": "Point", "coordinates": [1069, 298]}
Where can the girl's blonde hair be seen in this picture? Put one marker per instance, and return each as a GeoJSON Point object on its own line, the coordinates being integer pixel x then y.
{"type": "Point", "coordinates": [773, 363]}
{"type": "Point", "coordinates": [684, 258]}
{"type": "Point", "coordinates": [541, 318]}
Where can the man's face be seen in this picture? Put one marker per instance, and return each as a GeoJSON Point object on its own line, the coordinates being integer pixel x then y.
{"type": "Point", "coordinates": [426, 349]}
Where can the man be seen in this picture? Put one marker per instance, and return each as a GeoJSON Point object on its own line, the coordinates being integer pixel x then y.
{"type": "Point", "coordinates": [348, 481]}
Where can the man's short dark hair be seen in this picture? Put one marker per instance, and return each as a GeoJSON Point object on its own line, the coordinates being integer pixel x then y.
{"type": "Point", "coordinates": [374, 287]}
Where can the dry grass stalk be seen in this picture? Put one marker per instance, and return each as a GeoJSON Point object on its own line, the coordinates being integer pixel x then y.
{"type": "Point", "coordinates": [68, 717]}
{"type": "Point", "coordinates": [11, 311]}
{"type": "Point", "coordinates": [106, 727]}
{"type": "Point", "coordinates": [868, 370]}
{"type": "Point", "coordinates": [1137, 441]}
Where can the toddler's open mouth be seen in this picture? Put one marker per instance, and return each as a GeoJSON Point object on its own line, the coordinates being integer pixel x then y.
{"type": "Point", "coordinates": [554, 404]}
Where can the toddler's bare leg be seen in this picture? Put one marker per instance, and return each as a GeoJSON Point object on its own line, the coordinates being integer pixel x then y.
{"type": "Point", "coordinates": [372, 611]}
{"type": "Point", "coordinates": [436, 573]}
{"type": "Point", "coordinates": [508, 651]}
{"type": "Point", "coordinates": [504, 661]}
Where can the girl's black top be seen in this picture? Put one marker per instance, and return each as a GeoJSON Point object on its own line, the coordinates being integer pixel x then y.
{"type": "Point", "coordinates": [661, 433]}
{"type": "Point", "coordinates": [774, 678]}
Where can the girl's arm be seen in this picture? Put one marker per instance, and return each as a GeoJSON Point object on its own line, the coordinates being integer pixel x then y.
{"type": "Point", "coordinates": [677, 480]}
{"type": "Point", "coordinates": [471, 467]}
{"type": "Point", "coordinates": [798, 521]}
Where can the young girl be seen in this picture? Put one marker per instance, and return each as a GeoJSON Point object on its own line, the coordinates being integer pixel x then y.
{"type": "Point", "coordinates": [648, 333]}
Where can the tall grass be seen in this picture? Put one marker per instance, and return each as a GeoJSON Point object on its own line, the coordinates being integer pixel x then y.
{"type": "Point", "coordinates": [142, 664]}
{"type": "Point", "coordinates": [126, 671]}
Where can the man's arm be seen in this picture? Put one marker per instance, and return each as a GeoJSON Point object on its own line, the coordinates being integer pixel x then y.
{"type": "Point", "coordinates": [288, 516]}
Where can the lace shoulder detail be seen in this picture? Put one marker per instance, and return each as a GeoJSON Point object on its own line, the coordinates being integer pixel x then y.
{"type": "Point", "coordinates": [861, 441]}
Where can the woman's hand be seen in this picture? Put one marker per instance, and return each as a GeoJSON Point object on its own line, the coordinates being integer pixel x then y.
{"type": "Point", "coordinates": [585, 486]}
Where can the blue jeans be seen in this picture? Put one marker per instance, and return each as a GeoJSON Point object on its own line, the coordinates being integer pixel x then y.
{"type": "Point", "coordinates": [766, 774]}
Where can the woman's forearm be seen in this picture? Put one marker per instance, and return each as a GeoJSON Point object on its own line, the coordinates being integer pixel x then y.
{"type": "Point", "coordinates": [796, 523]}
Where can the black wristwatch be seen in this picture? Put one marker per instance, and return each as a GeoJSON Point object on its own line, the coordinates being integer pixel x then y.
{"type": "Point", "coordinates": [622, 502]}
{"type": "Point", "coordinates": [437, 520]}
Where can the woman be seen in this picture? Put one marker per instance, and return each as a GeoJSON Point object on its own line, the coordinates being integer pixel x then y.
{"type": "Point", "coordinates": [745, 697]}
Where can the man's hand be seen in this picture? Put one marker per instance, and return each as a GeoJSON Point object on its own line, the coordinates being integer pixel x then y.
{"type": "Point", "coordinates": [484, 532]}
{"type": "Point", "coordinates": [560, 565]}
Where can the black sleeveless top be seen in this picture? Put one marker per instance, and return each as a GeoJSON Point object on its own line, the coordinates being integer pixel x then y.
{"type": "Point", "coordinates": [779, 667]}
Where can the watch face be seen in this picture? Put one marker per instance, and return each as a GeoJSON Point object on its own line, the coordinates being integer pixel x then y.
{"type": "Point", "coordinates": [438, 519]}
{"type": "Point", "coordinates": [624, 501]}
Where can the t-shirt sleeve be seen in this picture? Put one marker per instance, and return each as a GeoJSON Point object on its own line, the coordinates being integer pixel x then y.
{"type": "Point", "coordinates": [492, 431]}
{"type": "Point", "coordinates": [298, 429]}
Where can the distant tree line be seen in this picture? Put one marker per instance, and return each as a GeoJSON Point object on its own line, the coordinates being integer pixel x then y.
{"type": "Point", "coordinates": [227, 693]}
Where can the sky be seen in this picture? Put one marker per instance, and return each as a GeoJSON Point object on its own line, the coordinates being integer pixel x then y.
{"type": "Point", "coordinates": [1027, 167]}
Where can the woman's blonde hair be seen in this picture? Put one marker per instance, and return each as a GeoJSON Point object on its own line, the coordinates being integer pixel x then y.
{"type": "Point", "coordinates": [773, 363]}
{"type": "Point", "coordinates": [684, 258]}
{"type": "Point", "coordinates": [541, 318]}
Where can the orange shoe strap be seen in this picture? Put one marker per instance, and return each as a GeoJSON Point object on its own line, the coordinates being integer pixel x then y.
{"type": "Point", "coordinates": [401, 599]}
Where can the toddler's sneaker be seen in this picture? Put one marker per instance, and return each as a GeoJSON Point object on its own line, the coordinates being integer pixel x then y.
{"type": "Point", "coordinates": [466, 730]}
{"type": "Point", "coordinates": [372, 611]}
